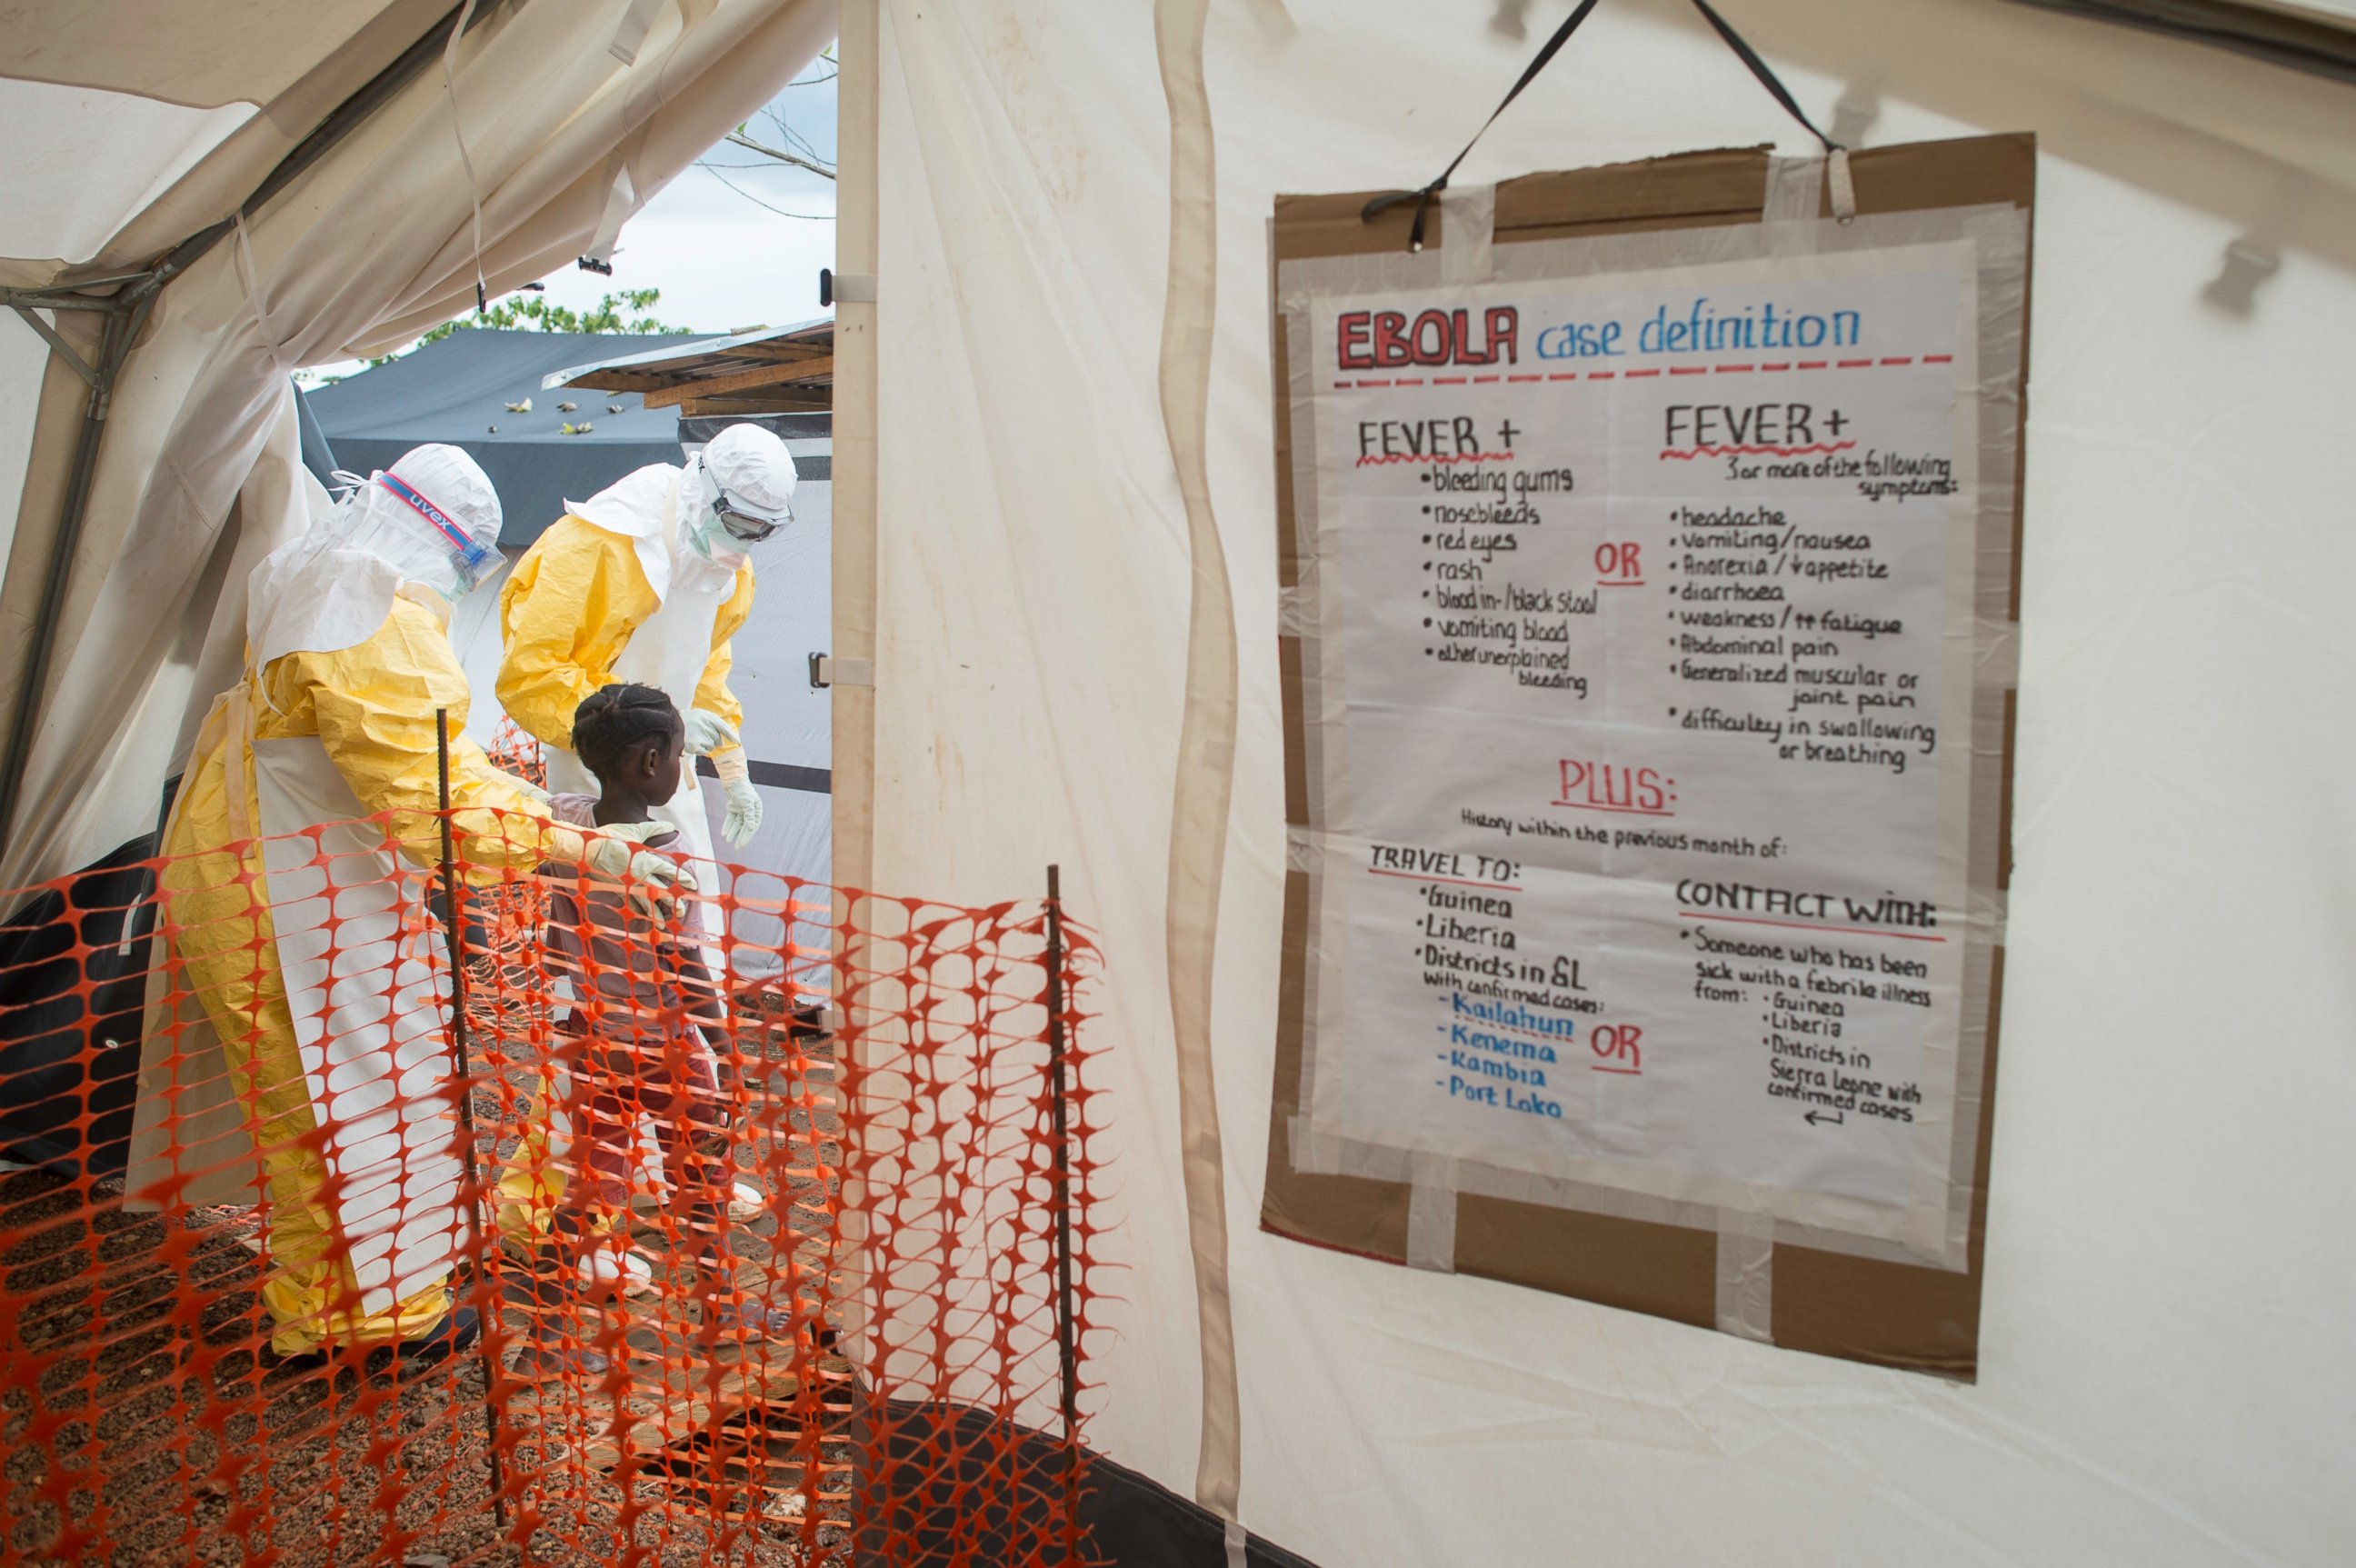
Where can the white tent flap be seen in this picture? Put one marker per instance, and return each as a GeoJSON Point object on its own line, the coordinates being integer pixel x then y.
{"type": "Point", "coordinates": [2163, 1379]}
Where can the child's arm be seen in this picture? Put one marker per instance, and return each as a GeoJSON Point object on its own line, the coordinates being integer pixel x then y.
{"type": "Point", "coordinates": [703, 996]}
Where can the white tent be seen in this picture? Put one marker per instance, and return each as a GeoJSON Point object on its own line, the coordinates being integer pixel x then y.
{"type": "Point", "coordinates": [2163, 1377]}
{"type": "Point", "coordinates": [1054, 576]}
{"type": "Point", "coordinates": [203, 198]}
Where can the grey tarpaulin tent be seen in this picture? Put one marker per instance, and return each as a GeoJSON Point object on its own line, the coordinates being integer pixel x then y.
{"type": "Point", "coordinates": [458, 389]}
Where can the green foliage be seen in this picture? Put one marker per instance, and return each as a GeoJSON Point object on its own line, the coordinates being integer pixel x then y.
{"type": "Point", "coordinates": [536, 313]}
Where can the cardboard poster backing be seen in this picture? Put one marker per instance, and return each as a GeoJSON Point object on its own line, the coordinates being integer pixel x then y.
{"type": "Point", "coordinates": [1863, 1309]}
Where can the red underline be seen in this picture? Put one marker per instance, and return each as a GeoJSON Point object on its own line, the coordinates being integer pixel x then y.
{"type": "Point", "coordinates": [1619, 582]}
{"type": "Point", "coordinates": [1714, 449]}
{"type": "Point", "coordinates": [1729, 369]}
{"type": "Point", "coordinates": [1631, 810]}
{"type": "Point", "coordinates": [1805, 926]}
{"type": "Point", "coordinates": [1593, 1066]}
{"type": "Point", "coordinates": [1458, 881]}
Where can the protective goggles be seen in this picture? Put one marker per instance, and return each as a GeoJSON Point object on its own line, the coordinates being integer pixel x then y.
{"type": "Point", "coordinates": [475, 562]}
{"type": "Point", "coordinates": [744, 527]}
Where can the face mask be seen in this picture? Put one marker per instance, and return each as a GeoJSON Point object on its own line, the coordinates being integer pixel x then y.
{"type": "Point", "coordinates": [393, 521]}
{"type": "Point", "coordinates": [471, 562]}
{"type": "Point", "coordinates": [724, 530]}
{"type": "Point", "coordinates": [432, 599]}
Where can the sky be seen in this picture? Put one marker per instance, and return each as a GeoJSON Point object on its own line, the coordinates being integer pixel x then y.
{"type": "Point", "coordinates": [723, 259]}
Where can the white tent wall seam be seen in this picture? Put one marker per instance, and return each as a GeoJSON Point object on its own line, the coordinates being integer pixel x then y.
{"type": "Point", "coordinates": [1206, 735]}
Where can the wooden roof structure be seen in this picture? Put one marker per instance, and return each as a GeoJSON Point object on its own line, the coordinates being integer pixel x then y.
{"type": "Point", "coordinates": [784, 370]}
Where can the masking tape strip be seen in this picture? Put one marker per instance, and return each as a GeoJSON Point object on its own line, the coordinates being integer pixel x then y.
{"type": "Point", "coordinates": [1432, 1216]}
{"type": "Point", "coordinates": [1299, 606]}
{"type": "Point", "coordinates": [1291, 614]}
{"type": "Point", "coordinates": [1794, 188]}
{"type": "Point", "coordinates": [1467, 228]}
{"type": "Point", "coordinates": [1315, 1152]}
{"type": "Point", "coordinates": [1746, 1276]}
{"type": "Point", "coordinates": [1844, 188]}
{"type": "Point", "coordinates": [1996, 654]}
{"type": "Point", "coordinates": [1238, 1543]}
{"type": "Point", "coordinates": [1315, 958]}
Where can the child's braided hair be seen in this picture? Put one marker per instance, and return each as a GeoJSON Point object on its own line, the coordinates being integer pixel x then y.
{"type": "Point", "coordinates": [615, 718]}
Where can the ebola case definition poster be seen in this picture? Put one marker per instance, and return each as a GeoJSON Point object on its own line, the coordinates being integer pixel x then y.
{"type": "Point", "coordinates": [1649, 635]}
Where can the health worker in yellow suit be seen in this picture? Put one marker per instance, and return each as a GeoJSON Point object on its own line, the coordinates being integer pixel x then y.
{"type": "Point", "coordinates": [646, 582]}
{"type": "Point", "coordinates": [303, 1046]}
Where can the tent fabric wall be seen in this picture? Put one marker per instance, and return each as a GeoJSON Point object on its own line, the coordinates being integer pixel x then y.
{"type": "Point", "coordinates": [24, 360]}
{"type": "Point", "coordinates": [366, 247]}
{"type": "Point", "coordinates": [2164, 1377]}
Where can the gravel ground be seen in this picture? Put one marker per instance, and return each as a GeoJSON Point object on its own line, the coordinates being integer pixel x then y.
{"type": "Point", "coordinates": [142, 1414]}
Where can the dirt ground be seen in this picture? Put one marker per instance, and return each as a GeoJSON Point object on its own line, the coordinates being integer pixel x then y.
{"type": "Point", "coordinates": [144, 1421]}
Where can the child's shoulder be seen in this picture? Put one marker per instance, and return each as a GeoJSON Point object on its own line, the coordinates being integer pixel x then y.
{"type": "Point", "coordinates": [581, 810]}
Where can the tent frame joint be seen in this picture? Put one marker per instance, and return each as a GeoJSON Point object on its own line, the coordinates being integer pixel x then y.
{"type": "Point", "coordinates": [58, 345]}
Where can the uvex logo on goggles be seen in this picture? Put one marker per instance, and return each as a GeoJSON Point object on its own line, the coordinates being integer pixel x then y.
{"type": "Point", "coordinates": [474, 554]}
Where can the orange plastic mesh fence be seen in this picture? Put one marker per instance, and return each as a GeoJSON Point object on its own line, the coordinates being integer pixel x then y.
{"type": "Point", "coordinates": [510, 914]}
{"type": "Point", "coordinates": [761, 1230]}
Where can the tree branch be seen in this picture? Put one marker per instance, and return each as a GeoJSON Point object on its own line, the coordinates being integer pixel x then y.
{"type": "Point", "coordinates": [783, 156]}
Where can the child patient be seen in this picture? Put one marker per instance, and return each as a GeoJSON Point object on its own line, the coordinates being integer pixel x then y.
{"type": "Point", "coordinates": [635, 1050]}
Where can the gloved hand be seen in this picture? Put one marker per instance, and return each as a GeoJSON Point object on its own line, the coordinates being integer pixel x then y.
{"type": "Point", "coordinates": [615, 853]}
{"type": "Point", "coordinates": [743, 819]}
{"type": "Point", "coordinates": [708, 733]}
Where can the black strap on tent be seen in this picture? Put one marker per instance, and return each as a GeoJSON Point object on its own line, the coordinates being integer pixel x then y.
{"type": "Point", "coordinates": [1539, 62]}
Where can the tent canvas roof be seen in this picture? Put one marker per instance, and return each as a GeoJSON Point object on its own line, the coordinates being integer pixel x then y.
{"type": "Point", "coordinates": [457, 389]}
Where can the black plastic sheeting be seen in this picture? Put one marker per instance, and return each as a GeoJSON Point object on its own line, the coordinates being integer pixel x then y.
{"type": "Point", "coordinates": [811, 426]}
{"type": "Point", "coordinates": [816, 467]}
{"type": "Point", "coordinates": [457, 389]}
{"type": "Point", "coordinates": [934, 1484]}
{"type": "Point", "coordinates": [73, 986]}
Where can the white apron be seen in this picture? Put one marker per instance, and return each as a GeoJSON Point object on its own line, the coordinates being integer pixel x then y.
{"type": "Point", "coordinates": [668, 652]}
{"type": "Point", "coordinates": [189, 1142]}
{"type": "Point", "coordinates": [363, 967]}
{"type": "Point", "coordinates": [369, 1021]}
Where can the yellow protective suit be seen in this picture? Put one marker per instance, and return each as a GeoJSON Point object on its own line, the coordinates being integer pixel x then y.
{"type": "Point", "coordinates": [372, 708]}
{"type": "Point", "coordinates": [566, 613]}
